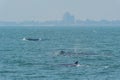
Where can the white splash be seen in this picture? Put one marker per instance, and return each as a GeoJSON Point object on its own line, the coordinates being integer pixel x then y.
{"type": "Point", "coordinates": [24, 39]}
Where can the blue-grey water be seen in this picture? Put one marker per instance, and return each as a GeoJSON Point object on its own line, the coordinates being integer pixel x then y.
{"type": "Point", "coordinates": [40, 60]}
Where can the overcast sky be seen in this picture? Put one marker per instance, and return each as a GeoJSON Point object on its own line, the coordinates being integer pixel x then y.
{"type": "Point", "coordinates": [42, 10]}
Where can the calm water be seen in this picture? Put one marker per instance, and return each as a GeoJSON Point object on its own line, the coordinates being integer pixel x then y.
{"type": "Point", "coordinates": [39, 60]}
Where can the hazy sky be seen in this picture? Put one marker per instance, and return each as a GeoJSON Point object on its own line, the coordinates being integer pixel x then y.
{"type": "Point", "coordinates": [21, 10]}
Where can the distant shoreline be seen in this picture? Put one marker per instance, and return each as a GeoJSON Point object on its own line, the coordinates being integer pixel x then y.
{"type": "Point", "coordinates": [51, 26]}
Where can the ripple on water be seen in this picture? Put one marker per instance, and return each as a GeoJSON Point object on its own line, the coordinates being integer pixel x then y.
{"type": "Point", "coordinates": [5, 50]}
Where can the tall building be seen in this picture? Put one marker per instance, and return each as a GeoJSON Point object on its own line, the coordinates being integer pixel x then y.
{"type": "Point", "coordinates": [68, 19]}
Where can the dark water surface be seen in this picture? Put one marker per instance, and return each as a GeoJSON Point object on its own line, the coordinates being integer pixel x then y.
{"type": "Point", "coordinates": [40, 60]}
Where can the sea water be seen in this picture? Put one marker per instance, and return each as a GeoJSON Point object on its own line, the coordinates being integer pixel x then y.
{"type": "Point", "coordinates": [40, 60]}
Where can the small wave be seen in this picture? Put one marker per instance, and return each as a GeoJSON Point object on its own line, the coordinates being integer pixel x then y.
{"type": "Point", "coordinates": [6, 50]}
{"type": "Point", "coordinates": [106, 50]}
{"type": "Point", "coordinates": [106, 67]}
{"type": "Point", "coordinates": [36, 76]}
{"type": "Point", "coordinates": [70, 65]}
{"type": "Point", "coordinates": [8, 71]}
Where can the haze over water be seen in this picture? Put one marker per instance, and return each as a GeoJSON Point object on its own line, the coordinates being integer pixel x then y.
{"type": "Point", "coordinates": [39, 60]}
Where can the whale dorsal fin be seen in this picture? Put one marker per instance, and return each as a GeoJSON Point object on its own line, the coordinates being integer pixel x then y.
{"type": "Point", "coordinates": [76, 62]}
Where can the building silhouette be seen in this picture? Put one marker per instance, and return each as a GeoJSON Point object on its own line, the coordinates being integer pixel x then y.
{"type": "Point", "coordinates": [68, 19]}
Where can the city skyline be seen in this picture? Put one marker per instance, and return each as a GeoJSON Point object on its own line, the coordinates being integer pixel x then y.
{"type": "Point", "coordinates": [68, 19]}
{"type": "Point", "coordinates": [46, 10]}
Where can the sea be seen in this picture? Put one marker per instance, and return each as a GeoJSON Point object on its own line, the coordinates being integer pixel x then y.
{"type": "Point", "coordinates": [97, 50]}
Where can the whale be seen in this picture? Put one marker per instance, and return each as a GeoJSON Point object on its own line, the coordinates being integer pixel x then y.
{"type": "Point", "coordinates": [76, 54]}
{"type": "Point", "coordinates": [75, 64]}
{"type": "Point", "coordinates": [32, 39]}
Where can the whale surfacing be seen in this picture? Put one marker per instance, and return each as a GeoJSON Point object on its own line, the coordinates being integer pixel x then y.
{"type": "Point", "coordinates": [32, 39]}
{"type": "Point", "coordinates": [76, 54]}
{"type": "Point", "coordinates": [76, 64]}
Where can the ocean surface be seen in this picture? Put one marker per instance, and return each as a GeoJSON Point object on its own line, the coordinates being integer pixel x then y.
{"type": "Point", "coordinates": [97, 49]}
